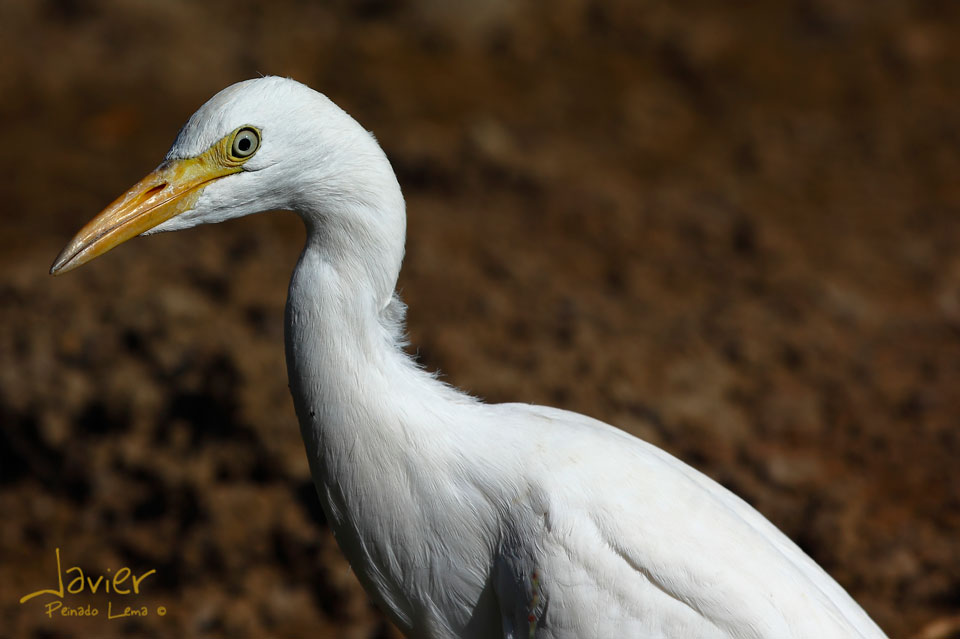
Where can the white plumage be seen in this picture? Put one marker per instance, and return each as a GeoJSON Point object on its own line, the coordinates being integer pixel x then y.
{"type": "Point", "coordinates": [463, 519]}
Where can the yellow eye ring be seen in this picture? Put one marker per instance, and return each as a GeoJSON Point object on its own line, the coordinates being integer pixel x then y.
{"type": "Point", "coordinates": [245, 143]}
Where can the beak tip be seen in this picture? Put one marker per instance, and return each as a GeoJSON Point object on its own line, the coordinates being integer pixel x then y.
{"type": "Point", "coordinates": [62, 263]}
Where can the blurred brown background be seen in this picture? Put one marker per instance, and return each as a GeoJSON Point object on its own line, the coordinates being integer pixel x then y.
{"type": "Point", "coordinates": [729, 228]}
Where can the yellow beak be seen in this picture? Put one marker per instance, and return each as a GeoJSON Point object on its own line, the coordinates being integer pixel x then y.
{"type": "Point", "coordinates": [168, 191]}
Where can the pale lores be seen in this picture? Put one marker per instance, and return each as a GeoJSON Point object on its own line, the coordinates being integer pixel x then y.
{"type": "Point", "coordinates": [462, 519]}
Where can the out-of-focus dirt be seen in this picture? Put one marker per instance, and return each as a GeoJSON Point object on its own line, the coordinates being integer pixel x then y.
{"type": "Point", "coordinates": [730, 230]}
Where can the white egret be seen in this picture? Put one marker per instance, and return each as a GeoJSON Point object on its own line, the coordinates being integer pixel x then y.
{"type": "Point", "coordinates": [460, 518]}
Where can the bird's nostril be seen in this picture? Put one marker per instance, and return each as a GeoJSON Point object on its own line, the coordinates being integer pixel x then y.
{"type": "Point", "coordinates": [154, 190]}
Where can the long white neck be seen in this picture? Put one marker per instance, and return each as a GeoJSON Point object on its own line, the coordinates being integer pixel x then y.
{"type": "Point", "coordinates": [345, 365]}
{"type": "Point", "coordinates": [343, 322]}
{"type": "Point", "coordinates": [377, 429]}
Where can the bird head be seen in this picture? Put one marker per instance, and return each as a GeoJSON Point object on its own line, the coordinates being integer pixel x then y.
{"type": "Point", "coordinates": [263, 144]}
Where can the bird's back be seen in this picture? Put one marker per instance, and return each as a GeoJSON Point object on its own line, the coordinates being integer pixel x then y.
{"type": "Point", "coordinates": [618, 538]}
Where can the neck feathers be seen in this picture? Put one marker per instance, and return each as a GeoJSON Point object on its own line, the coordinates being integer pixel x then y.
{"type": "Point", "coordinates": [355, 215]}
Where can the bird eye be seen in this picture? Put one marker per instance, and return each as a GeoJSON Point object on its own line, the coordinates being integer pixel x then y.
{"type": "Point", "coordinates": [245, 143]}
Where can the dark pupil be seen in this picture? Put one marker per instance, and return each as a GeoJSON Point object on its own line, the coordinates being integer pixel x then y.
{"type": "Point", "coordinates": [244, 144]}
